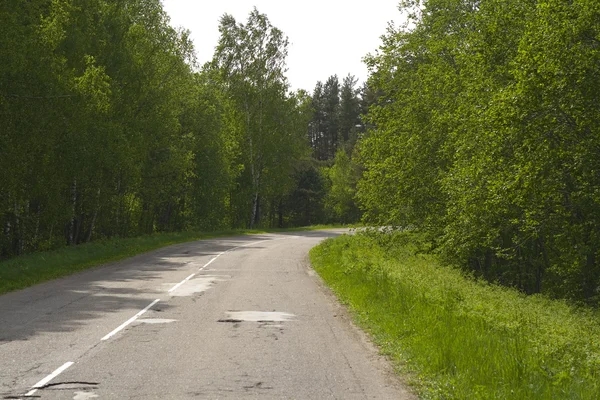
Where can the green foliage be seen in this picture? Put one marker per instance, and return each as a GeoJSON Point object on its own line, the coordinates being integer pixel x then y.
{"type": "Point", "coordinates": [350, 111]}
{"type": "Point", "coordinates": [250, 63]}
{"type": "Point", "coordinates": [485, 136]}
{"type": "Point", "coordinates": [109, 128]}
{"type": "Point", "coordinates": [336, 120]}
{"type": "Point", "coordinates": [457, 337]}
{"type": "Point", "coordinates": [343, 177]}
{"type": "Point", "coordinates": [305, 204]}
{"type": "Point", "coordinates": [333, 131]}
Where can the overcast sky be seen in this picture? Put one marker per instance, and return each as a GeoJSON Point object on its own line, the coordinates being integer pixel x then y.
{"type": "Point", "coordinates": [326, 37]}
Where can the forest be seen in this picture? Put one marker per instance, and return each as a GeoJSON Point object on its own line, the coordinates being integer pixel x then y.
{"type": "Point", "coordinates": [479, 128]}
{"type": "Point", "coordinates": [111, 128]}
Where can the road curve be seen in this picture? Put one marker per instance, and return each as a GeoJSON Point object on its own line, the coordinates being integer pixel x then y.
{"type": "Point", "coordinates": [234, 318]}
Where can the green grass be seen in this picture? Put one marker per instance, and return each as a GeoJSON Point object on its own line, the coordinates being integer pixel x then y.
{"type": "Point", "coordinates": [458, 338]}
{"type": "Point", "coordinates": [24, 271]}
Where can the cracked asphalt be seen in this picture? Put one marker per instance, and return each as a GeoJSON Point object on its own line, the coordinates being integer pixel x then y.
{"type": "Point", "coordinates": [232, 318]}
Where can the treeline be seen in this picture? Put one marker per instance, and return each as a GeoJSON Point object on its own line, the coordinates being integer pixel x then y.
{"type": "Point", "coordinates": [487, 138]}
{"type": "Point", "coordinates": [110, 128]}
{"type": "Point", "coordinates": [336, 122]}
{"type": "Point", "coordinates": [326, 187]}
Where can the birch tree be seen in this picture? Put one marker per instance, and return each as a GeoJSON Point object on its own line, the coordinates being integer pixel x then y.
{"type": "Point", "coordinates": [251, 60]}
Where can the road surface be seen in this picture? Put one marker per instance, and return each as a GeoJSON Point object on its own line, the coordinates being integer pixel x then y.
{"type": "Point", "coordinates": [234, 318]}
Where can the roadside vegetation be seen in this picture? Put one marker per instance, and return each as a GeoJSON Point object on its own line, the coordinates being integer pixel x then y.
{"type": "Point", "coordinates": [456, 336]}
{"type": "Point", "coordinates": [486, 137]}
{"type": "Point", "coordinates": [28, 270]}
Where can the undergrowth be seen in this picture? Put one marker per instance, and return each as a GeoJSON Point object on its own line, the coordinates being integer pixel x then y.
{"type": "Point", "coordinates": [460, 338]}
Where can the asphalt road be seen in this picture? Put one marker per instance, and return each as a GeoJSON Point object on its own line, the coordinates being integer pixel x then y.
{"type": "Point", "coordinates": [234, 318]}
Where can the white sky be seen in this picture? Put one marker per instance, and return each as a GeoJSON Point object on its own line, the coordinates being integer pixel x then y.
{"type": "Point", "coordinates": [326, 37]}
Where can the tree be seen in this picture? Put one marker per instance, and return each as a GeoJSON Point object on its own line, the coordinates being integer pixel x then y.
{"type": "Point", "coordinates": [340, 199]}
{"type": "Point", "coordinates": [305, 203]}
{"type": "Point", "coordinates": [316, 127]}
{"type": "Point", "coordinates": [336, 117]}
{"type": "Point", "coordinates": [331, 115]}
{"type": "Point", "coordinates": [251, 61]}
{"type": "Point", "coordinates": [96, 131]}
{"type": "Point", "coordinates": [110, 128]}
{"type": "Point", "coordinates": [350, 121]}
{"type": "Point", "coordinates": [484, 136]}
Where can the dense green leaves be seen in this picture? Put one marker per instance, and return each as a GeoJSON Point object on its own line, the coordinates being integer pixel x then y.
{"type": "Point", "coordinates": [486, 136]}
{"type": "Point", "coordinates": [340, 199]}
{"type": "Point", "coordinates": [108, 126]}
{"type": "Point", "coordinates": [250, 62]}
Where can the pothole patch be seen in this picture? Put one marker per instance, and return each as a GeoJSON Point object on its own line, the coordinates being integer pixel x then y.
{"type": "Point", "coordinates": [156, 321]}
{"type": "Point", "coordinates": [85, 396]}
{"type": "Point", "coordinates": [257, 316]}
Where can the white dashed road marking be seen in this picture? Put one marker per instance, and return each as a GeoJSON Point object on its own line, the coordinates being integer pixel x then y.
{"type": "Point", "coordinates": [182, 282]}
{"type": "Point", "coordinates": [129, 321]}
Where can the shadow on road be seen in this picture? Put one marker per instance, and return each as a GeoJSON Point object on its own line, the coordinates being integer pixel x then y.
{"type": "Point", "coordinates": [67, 304]}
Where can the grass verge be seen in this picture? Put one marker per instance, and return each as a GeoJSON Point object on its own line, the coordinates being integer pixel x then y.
{"type": "Point", "coordinates": [28, 270]}
{"type": "Point", "coordinates": [459, 338]}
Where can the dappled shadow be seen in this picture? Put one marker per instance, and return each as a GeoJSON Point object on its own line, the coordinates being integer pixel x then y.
{"type": "Point", "coordinates": [74, 302]}
{"type": "Point", "coordinates": [74, 310]}
{"type": "Point", "coordinates": [45, 322]}
{"type": "Point", "coordinates": [70, 303]}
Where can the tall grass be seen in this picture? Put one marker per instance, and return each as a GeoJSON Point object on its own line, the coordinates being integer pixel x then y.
{"type": "Point", "coordinates": [461, 338]}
